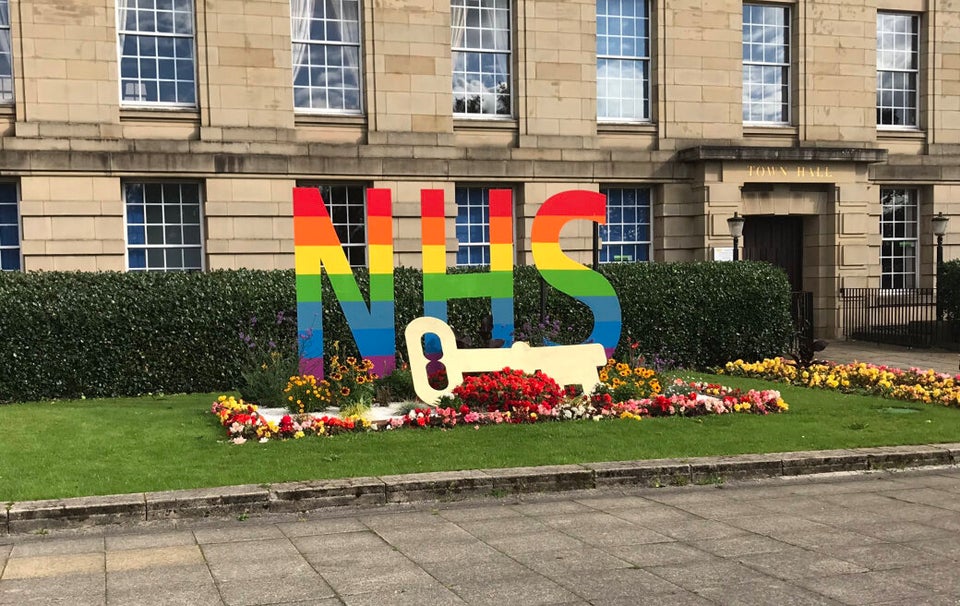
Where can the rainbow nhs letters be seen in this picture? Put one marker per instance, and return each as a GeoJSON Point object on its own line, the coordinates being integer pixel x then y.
{"type": "Point", "coordinates": [317, 248]}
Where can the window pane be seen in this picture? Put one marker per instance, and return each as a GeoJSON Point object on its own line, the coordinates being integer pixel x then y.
{"type": "Point", "coordinates": [766, 64]}
{"type": "Point", "coordinates": [156, 52]}
{"type": "Point", "coordinates": [326, 56]}
{"type": "Point", "coordinates": [164, 227]}
{"type": "Point", "coordinates": [627, 234]}
{"type": "Point", "coordinates": [481, 44]}
{"type": "Point", "coordinates": [898, 230]}
{"type": "Point", "coordinates": [898, 61]}
{"type": "Point", "coordinates": [346, 205]}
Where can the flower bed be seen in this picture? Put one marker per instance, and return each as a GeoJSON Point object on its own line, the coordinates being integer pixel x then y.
{"type": "Point", "coordinates": [914, 385]}
{"type": "Point", "coordinates": [506, 397]}
{"type": "Point", "coordinates": [243, 422]}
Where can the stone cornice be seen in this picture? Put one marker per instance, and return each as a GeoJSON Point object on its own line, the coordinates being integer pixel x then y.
{"type": "Point", "coordinates": [701, 153]}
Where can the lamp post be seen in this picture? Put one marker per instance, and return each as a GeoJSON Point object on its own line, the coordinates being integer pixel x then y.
{"type": "Point", "coordinates": [735, 225]}
{"type": "Point", "coordinates": [939, 229]}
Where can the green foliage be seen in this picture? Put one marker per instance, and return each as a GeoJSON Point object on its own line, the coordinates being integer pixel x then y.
{"type": "Point", "coordinates": [105, 334]}
{"type": "Point", "coordinates": [949, 289]}
{"type": "Point", "coordinates": [102, 334]}
{"type": "Point", "coordinates": [395, 387]}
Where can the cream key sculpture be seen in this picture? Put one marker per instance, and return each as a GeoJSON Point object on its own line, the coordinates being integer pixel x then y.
{"type": "Point", "coordinates": [565, 364]}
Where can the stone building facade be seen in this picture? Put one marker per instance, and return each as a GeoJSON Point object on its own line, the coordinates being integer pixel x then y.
{"type": "Point", "coordinates": [167, 134]}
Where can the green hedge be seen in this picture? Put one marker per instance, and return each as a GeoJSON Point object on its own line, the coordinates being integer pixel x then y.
{"type": "Point", "coordinates": [949, 288]}
{"type": "Point", "coordinates": [105, 334]}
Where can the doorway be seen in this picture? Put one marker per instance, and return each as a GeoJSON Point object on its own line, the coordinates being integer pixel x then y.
{"type": "Point", "coordinates": [777, 240]}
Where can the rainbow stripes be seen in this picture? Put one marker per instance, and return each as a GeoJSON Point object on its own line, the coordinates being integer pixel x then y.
{"type": "Point", "coordinates": [439, 287]}
{"type": "Point", "coordinates": [568, 276]}
{"type": "Point", "coordinates": [316, 245]}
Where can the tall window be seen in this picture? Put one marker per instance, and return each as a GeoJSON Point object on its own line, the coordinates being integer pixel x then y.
{"type": "Point", "coordinates": [473, 225]}
{"type": "Point", "coordinates": [480, 43]}
{"type": "Point", "coordinates": [766, 64]}
{"type": "Point", "coordinates": [623, 60]}
{"type": "Point", "coordinates": [326, 55]}
{"type": "Point", "coordinates": [156, 52]}
{"type": "Point", "coordinates": [898, 69]}
{"type": "Point", "coordinates": [163, 226]}
{"type": "Point", "coordinates": [626, 236]}
{"type": "Point", "coordinates": [6, 57]}
{"type": "Point", "coordinates": [898, 230]}
{"type": "Point", "coordinates": [9, 228]}
{"type": "Point", "coordinates": [348, 213]}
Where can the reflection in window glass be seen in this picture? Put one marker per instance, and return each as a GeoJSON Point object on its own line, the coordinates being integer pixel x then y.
{"type": "Point", "coordinates": [627, 235]}
{"type": "Point", "coordinates": [6, 57]}
{"type": "Point", "coordinates": [473, 225]}
{"type": "Point", "coordinates": [480, 44]}
{"type": "Point", "coordinates": [898, 69]}
{"type": "Point", "coordinates": [163, 227]}
{"type": "Point", "coordinates": [156, 52]}
{"type": "Point", "coordinates": [623, 60]}
{"type": "Point", "coordinates": [766, 64]}
{"type": "Point", "coordinates": [9, 228]}
{"type": "Point", "coordinates": [898, 230]}
{"type": "Point", "coordinates": [326, 55]}
{"type": "Point", "coordinates": [348, 213]}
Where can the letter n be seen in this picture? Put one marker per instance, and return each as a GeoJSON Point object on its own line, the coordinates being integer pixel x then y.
{"type": "Point", "coordinates": [316, 246]}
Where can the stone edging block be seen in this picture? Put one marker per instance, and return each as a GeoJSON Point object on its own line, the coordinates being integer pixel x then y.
{"type": "Point", "coordinates": [439, 485]}
{"type": "Point", "coordinates": [28, 516]}
{"type": "Point", "coordinates": [824, 461]}
{"type": "Point", "coordinates": [205, 502]}
{"type": "Point", "coordinates": [293, 497]}
{"type": "Point", "coordinates": [305, 496]}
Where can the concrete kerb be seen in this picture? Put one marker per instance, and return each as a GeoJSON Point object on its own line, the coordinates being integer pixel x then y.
{"type": "Point", "coordinates": [296, 497]}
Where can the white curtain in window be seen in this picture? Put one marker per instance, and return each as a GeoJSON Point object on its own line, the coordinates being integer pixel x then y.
{"type": "Point", "coordinates": [458, 25]}
{"type": "Point", "coordinates": [347, 12]}
{"type": "Point", "coordinates": [122, 7]}
{"type": "Point", "coordinates": [300, 12]}
{"type": "Point", "coordinates": [501, 23]}
{"type": "Point", "coordinates": [5, 32]}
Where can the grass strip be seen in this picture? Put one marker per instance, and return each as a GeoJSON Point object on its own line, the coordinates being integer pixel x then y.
{"type": "Point", "coordinates": [122, 445]}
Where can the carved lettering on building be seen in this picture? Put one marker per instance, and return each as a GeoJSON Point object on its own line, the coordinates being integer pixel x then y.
{"type": "Point", "coordinates": [799, 171]}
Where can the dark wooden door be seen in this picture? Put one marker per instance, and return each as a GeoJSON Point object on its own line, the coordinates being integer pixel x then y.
{"type": "Point", "coordinates": [777, 240]}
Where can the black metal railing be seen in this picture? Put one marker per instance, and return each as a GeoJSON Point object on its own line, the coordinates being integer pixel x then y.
{"type": "Point", "coordinates": [906, 316]}
{"type": "Point", "coordinates": [801, 310]}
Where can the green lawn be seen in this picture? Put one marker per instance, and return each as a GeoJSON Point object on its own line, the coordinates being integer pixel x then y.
{"type": "Point", "coordinates": [92, 447]}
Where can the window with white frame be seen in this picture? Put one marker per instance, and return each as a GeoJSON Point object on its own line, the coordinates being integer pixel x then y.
{"type": "Point", "coordinates": [898, 69]}
{"type": "Point", "coordinates": [473, 225]}
{"type": "Point", "coordinates": [626, 237]}
{"type": "Point", "coordinates": [346, 204]}
{"type": "Point", "coordinates": [9, 228]}
{"type": "Point", "coordinates": [898, 231]}
{"type": "Point", "coordinates": [164, 227]}
{"type": "Point", "coordinates": [623, 60]}
{"type": "Point", "coordinates": [480, 45]}
{"type": "Point", "coordinates": [156, 42]}
{"type": "Point", "coordinates": [766, 64]}
{"type": "Point", "coordinates": [6, 56]}
{"type": "Point", "coordinates": [326, 55]}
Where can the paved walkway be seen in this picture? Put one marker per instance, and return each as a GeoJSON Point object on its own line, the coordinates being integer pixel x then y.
{"type": "Point", "coordinates": [888, 538]}
{"type": "Point", "coordinates": [892, 355]}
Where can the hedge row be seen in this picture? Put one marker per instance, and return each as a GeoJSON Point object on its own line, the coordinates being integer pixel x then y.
{"type": "Point", "coordinates": [108, 334]}
{"type": "Point", "coordinates": [949, 288]}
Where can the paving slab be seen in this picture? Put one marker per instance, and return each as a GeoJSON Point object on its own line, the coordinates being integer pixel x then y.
{"type": "Point", "coordinates": [164, 584]}
{"type": "Point", "coordinates": [67, 590]}
{"type": "Point", "coordinates": [867, 588]}
{"type": "Point", "coordinates": [282, 574]}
